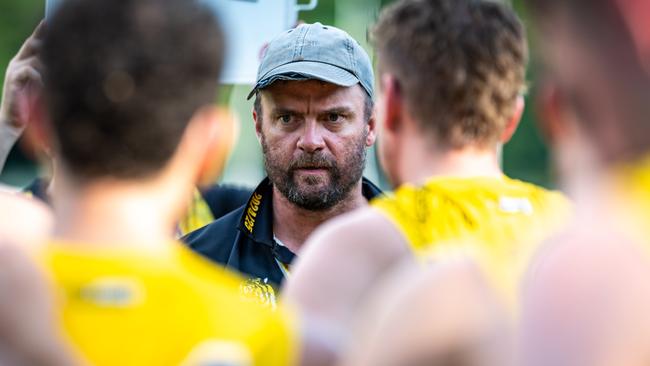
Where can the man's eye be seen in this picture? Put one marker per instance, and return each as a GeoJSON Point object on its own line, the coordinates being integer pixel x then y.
{"type": "Point", "coordinates": [285, 118]}
{"type": "Point", "coordinates": [333, 117]}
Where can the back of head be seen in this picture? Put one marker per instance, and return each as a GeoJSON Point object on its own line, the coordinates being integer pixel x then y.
{"type": "Point", "coordinates": [605, 79]}
{"type": "Point", "coordinates": [122, 80]}
{"type": "Point", "coordinates": [460, 65]}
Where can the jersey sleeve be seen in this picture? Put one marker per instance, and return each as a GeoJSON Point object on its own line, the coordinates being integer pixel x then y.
{"type": "Point", "coordinates": [277, 343]}
{"type": "Point", "coordinates": [426, 216]}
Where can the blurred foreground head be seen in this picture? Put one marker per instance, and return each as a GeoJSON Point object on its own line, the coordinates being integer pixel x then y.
{"type": "Point", "coordinates": [123, 81]}
{"type": "Point", "coordinates": [585, 302]}
{"type": "Point", "coordinates": [456, 67]}
{"type": "Point", "coordinates": [597, 58]}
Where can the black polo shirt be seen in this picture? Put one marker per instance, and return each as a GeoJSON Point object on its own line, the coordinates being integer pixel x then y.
{"type": "Point", "coordinates": [243, 239]}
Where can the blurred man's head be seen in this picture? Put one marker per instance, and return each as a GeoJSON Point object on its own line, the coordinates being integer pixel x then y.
{"type": "Point", "coordinates": [596, 75]}
{"type": "Point", "coordinates": [313, 114]}
{"type": "Point", "coordinates": [455, 67]}
{"type": "Point", "coordinates": [123, 81]}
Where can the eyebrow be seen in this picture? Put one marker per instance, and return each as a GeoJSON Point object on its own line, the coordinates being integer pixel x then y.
{"type": "Point", "coordinates": [282, 111]}
{"type": "Point", "coordinates": [338, 110]}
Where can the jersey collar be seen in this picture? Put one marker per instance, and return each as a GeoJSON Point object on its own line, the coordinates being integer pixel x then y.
{"type": "Point", "coordinates": [256, 220]}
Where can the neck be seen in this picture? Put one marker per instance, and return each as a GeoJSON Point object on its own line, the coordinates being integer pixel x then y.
{"type": "Point", "coordinates": [293, 224]}
{"type": "Point", "coordinates": [466, 162]}
{"type": "Point", "coordinates": [115, 213]}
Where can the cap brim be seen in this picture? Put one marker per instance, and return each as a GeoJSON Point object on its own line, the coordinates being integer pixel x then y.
{"type": "Point", "coordinates": [305, 70]}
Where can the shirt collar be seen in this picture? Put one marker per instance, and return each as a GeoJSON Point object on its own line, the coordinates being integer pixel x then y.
{"type": "Point", "coordinates": [256, 220]}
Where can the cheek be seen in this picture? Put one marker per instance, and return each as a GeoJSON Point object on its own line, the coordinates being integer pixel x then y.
{"type": "Point", "coordinates": [279, 142]}
{"type": "Point", "coordinates": [343, 147]}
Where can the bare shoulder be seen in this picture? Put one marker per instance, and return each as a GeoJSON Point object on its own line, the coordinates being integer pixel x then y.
{"type": "Point", "coordinates": [359, 231]}
{"type": "Point", "coordinates": [589, 284]}
{"type": "Point", "coordinates": [597, 253]}
{"type": "Point", "coordinates": [23, 220]}
{"type": "Point", "coordinates": [337, 267]}
{"type": "Point", "coordinates": [423, 315]}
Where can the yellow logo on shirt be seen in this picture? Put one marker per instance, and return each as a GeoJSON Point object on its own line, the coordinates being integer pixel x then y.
{"type": "Point", "coordinates": [259, 291]}
{"type": "Point", "coordinates": [251, 211]}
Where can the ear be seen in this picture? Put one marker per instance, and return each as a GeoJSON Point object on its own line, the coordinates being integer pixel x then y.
{"type": "Point", "coordinates": [371, 128]}
{"type": "Point", "coordinates": [208, 141]}
{"type": "Point", "coordinates": [513, 123]}
{"type": "Point", "coordinates": [392, 102]}
{"type": "Point", "coordinates": [257, 120]}
{"type": "Point", "coordinates": [38, 137]}
{"type": "Point", "coordinates": [552, 123]}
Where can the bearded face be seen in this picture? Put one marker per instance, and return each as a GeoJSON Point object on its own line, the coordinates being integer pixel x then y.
{"type": "Point", "coordinates": [315, 180]}
{"type": "Point", "coordinates": [314, 137]}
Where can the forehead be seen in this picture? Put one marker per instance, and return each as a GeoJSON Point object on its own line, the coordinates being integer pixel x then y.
{"type": "Point", "coordinates": [313, 94]}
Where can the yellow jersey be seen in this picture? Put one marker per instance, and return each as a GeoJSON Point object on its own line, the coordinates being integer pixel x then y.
{"type": "Point", "coordinates": [162, 306]}
{"type": "Point", "coordinates": [631, 184]}
{"type": "Point", "coordinates": [197, 216]}
{"type": "Point", "coordinates": [497, 221]}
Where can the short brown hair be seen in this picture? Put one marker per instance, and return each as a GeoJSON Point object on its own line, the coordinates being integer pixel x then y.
{"type": "Point", "coordinates": [123, 79]}
{"type": "Point", "coordinates": [460, 64]}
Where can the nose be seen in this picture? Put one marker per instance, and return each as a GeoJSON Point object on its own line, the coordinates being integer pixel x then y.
{"type": "Point", "coordinates": [311, 139]}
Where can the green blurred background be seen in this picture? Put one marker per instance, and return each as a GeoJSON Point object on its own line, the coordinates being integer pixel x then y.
{"type": "Point", "coordinates": [525, 157]}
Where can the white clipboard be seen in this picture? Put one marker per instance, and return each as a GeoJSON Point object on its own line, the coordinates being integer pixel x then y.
{"type": "Point", "coordinates": [248, 25]}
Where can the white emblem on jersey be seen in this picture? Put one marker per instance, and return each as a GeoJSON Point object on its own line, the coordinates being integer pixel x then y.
{"type": "Point", "coordinates": [515, 205]}
{"type": "Point", "coordinates": [112, 292]}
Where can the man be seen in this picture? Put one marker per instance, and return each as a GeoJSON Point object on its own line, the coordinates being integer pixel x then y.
{"type": "Point", "coordinates": [588, 297]}
{"type": "Point", "coordinates": [313, 118]}
{"type": "Point", "coordinates": [452, 73]}
{"type": "Point", "coordinates": [129, 89]}
{"type": "Point", "coordinates": [22, 85]}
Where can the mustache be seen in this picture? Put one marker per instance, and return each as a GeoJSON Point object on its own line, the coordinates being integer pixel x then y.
{"type": "Point", "coordinates": [312, 161]}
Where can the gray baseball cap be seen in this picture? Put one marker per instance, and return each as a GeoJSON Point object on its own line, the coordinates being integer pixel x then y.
{"type": "Point", "coordinates": [315, 51]}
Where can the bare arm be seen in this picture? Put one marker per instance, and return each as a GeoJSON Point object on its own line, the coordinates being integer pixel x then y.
{"type": "Point", "coordinates": [441, 314]}
{"type": "Point", "coordinates": [338, 266]}
{"type": "Point", "coordinates": [22, 83]}
{"type": "Point", "coordinates": [586, 302]}
{"type": "Point", "coordinates": [30, 332]}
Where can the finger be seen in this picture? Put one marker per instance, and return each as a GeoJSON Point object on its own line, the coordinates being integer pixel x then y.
{"type": "Point", "coordinates": [32, 44]}
{"type": "Point", "coordinates": [35, 62]}
{"type": "Point", "coordinates": [39, 32]}
{"type": "Point", "coordinates": [29, 49]}
{"type": "Point", "coordinates": [28, 74]}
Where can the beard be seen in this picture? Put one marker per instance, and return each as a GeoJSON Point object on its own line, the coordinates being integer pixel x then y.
{"type": "Point", "coordinates": [314, 192]}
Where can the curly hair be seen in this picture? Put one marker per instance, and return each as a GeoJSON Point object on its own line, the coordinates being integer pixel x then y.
{"type": "Point", "coordinates": [459, 63]}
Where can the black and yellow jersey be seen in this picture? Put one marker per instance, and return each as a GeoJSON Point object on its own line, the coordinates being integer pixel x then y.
{"type": "Point", "coordinates": [162, 306]}
{"type": "Point", "coordinates": [497, 221]}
